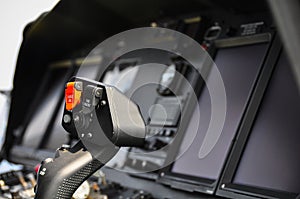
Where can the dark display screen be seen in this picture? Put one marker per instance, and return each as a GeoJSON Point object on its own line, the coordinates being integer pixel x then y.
{"type": "Point", "coordinates": [271, 158]}
{"type": "Point", "coordinates": [239, 67]}
{"type": "Point", "coordinates": [37, 127]}
{"type": "Point", "coordinates": [51, 98]}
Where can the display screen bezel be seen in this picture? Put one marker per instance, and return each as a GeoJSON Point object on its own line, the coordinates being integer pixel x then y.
{"type": "Point", "coordinates": [226, 187]}
{"type": "Point", "coordinates": [199, 184]}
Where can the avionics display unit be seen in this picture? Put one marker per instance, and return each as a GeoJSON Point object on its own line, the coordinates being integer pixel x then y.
{"type": "Point", "coordinates": [140, 76]}
{"type": "Point", "coordinates": [265, 159]}
{"type": "Point", "coordinates": [43, 133]}
{"type": "Point", "coordinates": [240, 61]}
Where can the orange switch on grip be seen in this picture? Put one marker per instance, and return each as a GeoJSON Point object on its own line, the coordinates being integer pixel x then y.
{"type": "Point", "coordinates": [72, 95]}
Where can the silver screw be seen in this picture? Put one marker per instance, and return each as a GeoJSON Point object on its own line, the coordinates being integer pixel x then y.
{"type": "Point", "coordinates": [67, 118]}
{"type": "Point", "coordinates": [78, 86]}
{"type": "Point", "coordinates": [42, 173]}
{"type": "Point", "coordinates": [98, 92]}
{"type": "Point", "coordinates": [82, 135]}
{"type": "Point", "coordinates": [89, 135]}
{"type": "Point", "coordinates": [162, 174]}
{"type": "Point", "coordinates": [223, 186]}
{"type": "Point", "coordinates": [103, 103]}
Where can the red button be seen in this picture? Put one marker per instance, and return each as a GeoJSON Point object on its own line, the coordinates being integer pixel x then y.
{"type": "Point", "coordinates": [37, 168]}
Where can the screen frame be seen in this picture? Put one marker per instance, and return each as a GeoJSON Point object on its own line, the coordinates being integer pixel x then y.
{"type": "Point", "coordinates": [226, 187]}
{"type": "Point", "coordinates": [199, 184]}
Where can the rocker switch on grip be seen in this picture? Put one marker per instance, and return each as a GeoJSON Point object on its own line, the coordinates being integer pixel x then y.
{"type": "Point", "coordinates": [72, 94]}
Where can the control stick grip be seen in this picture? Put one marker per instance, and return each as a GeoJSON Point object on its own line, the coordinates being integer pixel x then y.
{"type": "Point", "coordinates": [60, 177]}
